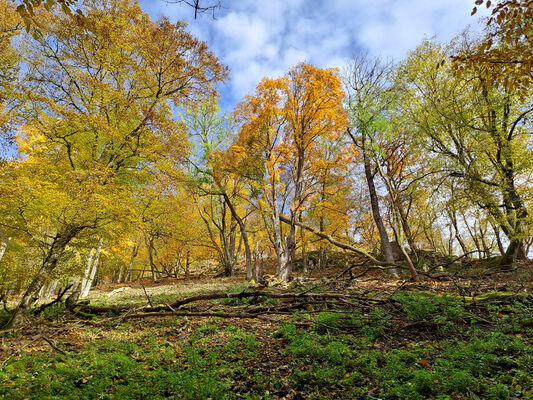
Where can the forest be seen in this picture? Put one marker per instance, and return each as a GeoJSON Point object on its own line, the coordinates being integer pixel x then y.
{"type": "Point", "coordinates": [359, 232]}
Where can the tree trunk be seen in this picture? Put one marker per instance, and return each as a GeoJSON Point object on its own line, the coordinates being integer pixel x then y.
{"type": "Point", "coordinates": [187, 264]}
{"type": "Point", "coordinates": [88, 270]}
{"type": "Point", "coordinates": [120, 273]}
{"type": "Point", "coordinates": [150, 248]}
{"type": "Point", "coordinates": [512, 253]}
{"type": "Point", "coordinates": [501, 249]}
{"type": "Point", "coordinates": [56, 250]}
{"type": "Point", "coordinates": [134, 252]}
{"type": "Point", "coordinates": [527, 246]}
{"type": "Point", "coordinates": [86, 287]}
{"type": "Point", "coordinates": [283, 269]}
{"type": "Point", "coordinates": [304, 252]}
{"type": "Point", "coordinates": [453, 217]}
{"type": "Point", "coordinates": [290, 241]}
{"type": "Point", "coordinates": [244, 235]}
{"type": "Point", "coordinates": [397, 204]}
{"type": "Point", "coordinates": [51, 289]}
{"type": "Point", "coordinates": [3, 247]}
{"type": "Point", "coordinates": [386, 248]}
{"type": "Point", "coordinates": [258, 263]}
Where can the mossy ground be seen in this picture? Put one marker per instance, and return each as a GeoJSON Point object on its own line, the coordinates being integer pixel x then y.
{"type": "Point", "coordinates": [420, 344]}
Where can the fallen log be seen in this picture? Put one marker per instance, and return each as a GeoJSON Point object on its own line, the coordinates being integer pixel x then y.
{"type": "Point", "coordinates": [338, 244]}
{"type": "Point", "coordinates": [310, 297]}
{"type": "Point", "coordinates": [241, 295]}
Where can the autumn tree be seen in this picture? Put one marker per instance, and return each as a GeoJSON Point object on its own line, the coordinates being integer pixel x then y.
{"type": "Point", "coordinates": [10, 56]}
{"type": "Point", "coordinates": [211, 175]}
{"type": "Point", "coordinates": [101, 91]}
{"type": "Point", "coordinates": [370, 95]}
{"type": "Point", "coordinates": [331, 206]}
{"type": "Point", "coordinates": [280, 126]}
{"type": "Point", "coordinates": [504, 54]}
{"type": "Point", "coordinates": [478, 132]}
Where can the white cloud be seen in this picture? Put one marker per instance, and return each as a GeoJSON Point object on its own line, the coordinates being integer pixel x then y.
{"type": "Point", "coordinates": [265, 38]}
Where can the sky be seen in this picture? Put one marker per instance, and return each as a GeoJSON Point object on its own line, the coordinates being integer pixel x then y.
{"type": "Point", "coordinates": [265, 38]}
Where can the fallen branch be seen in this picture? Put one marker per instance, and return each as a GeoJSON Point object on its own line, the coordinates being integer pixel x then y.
{"type": "Point", "coordinates": [299, 299]}
{"type": "Point", "coordinates": [147, 297]}
{"type": "Point", "coordinates": [338, 244]}
{"type": "Point", "coordinates": [55, 301]}
{"type": "Point", "coordinates": [241, 295]}
{"type": "Point", "coordinates": [52, 345]}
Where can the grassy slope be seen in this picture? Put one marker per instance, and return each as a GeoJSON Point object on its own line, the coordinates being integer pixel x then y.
{"type": "Point", "coordinates": [421, 346]}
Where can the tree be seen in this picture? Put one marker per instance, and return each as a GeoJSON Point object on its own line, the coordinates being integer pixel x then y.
{"type": "Point", "coordinates": [280, 126]}
{"type": "Point", "coordinates": [199, 6]}
{"type": "Point", "coordinates": [505, 51]}
{"type": "Point", "coordinates": [101, 91]}
{"type": "Point", "coordinates": [27, 8]}
{"type": "Point", "coordinates": [9, 69]}
{"type": "Point", "coordinates": [211, 175]}
{"type": "Point", "coordinates": [369, 98]}
{"type": "Point", "coordinates": [478, 131]}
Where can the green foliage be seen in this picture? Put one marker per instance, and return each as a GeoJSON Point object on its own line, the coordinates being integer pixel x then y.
{"type": "Point", "coordinates": [491, 366]}
{"type": "Point", "coordinates": [113, 370]}
{"type": "Point", "coordinates": [347, 355]}
{"type": "Point", "coordinates": [420, 306]}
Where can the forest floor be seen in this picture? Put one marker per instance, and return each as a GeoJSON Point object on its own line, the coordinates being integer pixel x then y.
{"type": "Point", "coordinates": [458, 337]}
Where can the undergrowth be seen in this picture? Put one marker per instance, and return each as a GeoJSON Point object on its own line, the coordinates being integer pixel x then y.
{"type": "Point", "coordinates": [442, 348]}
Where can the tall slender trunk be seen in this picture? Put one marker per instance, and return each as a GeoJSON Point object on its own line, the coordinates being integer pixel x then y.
{"type": "Point", "coordinates": [86, 287]}
{"type": "Point", "coordinates": [150, 248]}
{"type": "Point", "coordinates": [290, 240]}
{"type": "Point", "coordinates": [401, 213]}
{"type": "Point", "coordinates": [258, 263]}
{"type": "Point", "coordinates": [282, 268]}
{"type": "Point", "coordinates": [453, 217]}
{"type": "Point", "coordinates": [187, 263]}
{"type": "Point", "coordinates": [486, 247]}
{"type": "Point", "coordinates": [56, 250]}
{"type": "Point", "coordinates": [321, 225]}
{"type": "Point", "coordinates": [473, 236]}
{"type": "Point", "coordinates": [244, 235]}
{"type": "Point", "coordinates": [386, 248]}
{"type": "Point", "coordinates": [304, 252]}
{"type": "Point", "coordinates": [88, 270]}
{"type": "Point", "coordinates": [3, 247]}
{"type": "Point", "coordinates": [527, 246]}
{"type": "Point", "coordinates": [496, 230]}
{"type": "Point", "coordinates": [120, 273]}
{"type": "Point", "coordinates": [134, 252]}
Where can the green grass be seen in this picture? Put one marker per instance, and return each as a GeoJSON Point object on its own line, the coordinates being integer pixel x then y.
{"type": "Point", "coordinates": [490, 366]}
{"type": "Point", "coordinates": [360, 354]}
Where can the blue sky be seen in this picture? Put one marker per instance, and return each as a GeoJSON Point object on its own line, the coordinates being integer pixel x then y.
{"type": "Point", "coordinates": [258, 38]}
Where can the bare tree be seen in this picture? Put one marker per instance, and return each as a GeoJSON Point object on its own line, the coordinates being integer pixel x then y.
{"type": "Point", "coordinates": [368, 88]}
{"type": "Point", "coordinates": [199, 6]}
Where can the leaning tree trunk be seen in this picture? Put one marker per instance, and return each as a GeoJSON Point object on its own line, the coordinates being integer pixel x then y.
{"type": "Point", "coordinates": [244, 236]}
{"type": "Point", "coordinates": [386, 248]}
{"type": "Point", "coordinates": [56, 250]}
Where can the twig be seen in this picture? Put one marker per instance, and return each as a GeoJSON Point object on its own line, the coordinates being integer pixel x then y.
{"type": "Point", "coordinates": [56, 300]}
{"type": "Point", "coordinates": [147, 297]}
{"type": "Point", "coordinates": [52, 345]}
